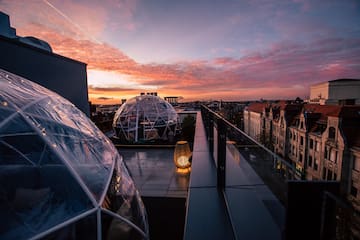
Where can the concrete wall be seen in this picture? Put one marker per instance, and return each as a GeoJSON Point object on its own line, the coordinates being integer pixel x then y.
{"type": "Point", "coordinates": [62, 75]}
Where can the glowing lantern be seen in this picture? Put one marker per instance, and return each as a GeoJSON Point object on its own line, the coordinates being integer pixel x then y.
{"type": "Point", "coordinates": [182, 155]}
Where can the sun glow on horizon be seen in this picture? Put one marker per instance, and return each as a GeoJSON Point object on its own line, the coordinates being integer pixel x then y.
{"type": "Point", "coordinates": [111, 79]}
{"type": "Point", "coordinates": [110, 87]}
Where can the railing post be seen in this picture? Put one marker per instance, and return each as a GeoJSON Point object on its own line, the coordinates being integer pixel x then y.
{"type": "Point", "coordinates": [205, 115]}
{"type": "Point", "coordinates": [211, 134]}
{"type": "Point", "coordinates": [221, 154]}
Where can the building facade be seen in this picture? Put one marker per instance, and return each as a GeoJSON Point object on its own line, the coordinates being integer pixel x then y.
{"type": "Point", "coordinates": [321, 141]}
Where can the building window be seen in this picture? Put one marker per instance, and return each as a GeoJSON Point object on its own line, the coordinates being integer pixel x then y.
{"type": "Point", "coordinates": [356, 165]}
{"type": "Point", "coordinates": [329, 175]}
{"type": "Point", "coordinates": [301, 140]}
{"type": "Point", "coordinates": [332, 133]}
{"type": "Point", "coordinates": [301, 124]}
{"type": "Point", "coordinates": [333, 156]}
{"type": "Point", "coordinates": [311, 144]}
{"type": "Point", "coordinates": [353, 191]}
{"type": "Point", "coordinates": [300, 157]}
{"type": "Point", "coordinates": [310, 161]}
{"type": "Point", "coordinates": [324, 174]}
{"type": "Point", "coordinates": [335, 176]}
{"type": "Point", "coordinates": [315, 165]}
{"type": "Point", "coordinates": [326, 153]}
{"type": "Point", "coordinates": [317, 146]}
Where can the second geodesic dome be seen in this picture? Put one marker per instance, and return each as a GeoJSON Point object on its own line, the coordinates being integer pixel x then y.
{"type": "Point", "coordinates": [60, 176]}
{"type": "Point", "coordinates": [146, 118]}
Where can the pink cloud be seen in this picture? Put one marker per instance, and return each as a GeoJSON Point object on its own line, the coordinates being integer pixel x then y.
{"type": "Point", "coordinates": [284, 70]}
{"type": "Point", "coordinates": [259, 74]}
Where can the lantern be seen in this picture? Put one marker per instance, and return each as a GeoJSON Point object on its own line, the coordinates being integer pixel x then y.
{"type": "Point", "coordinates": [182, 155]}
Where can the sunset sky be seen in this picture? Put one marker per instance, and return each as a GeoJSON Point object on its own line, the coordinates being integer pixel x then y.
{"type": "Point", "coordinates": [198, 49]}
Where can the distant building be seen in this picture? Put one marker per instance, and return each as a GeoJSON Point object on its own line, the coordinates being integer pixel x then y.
{"type": "Point", "coordinates": [340, 91]}
{"type": "Point", "coordinates": [33, 59]}
{"type": "Point", "coordinates": [149, 93]}
{"type": "Point", "coordinates": [282, 115]}
{"type": "Point", "coordinates": [252, 119]}
{"type": "Point", "coordinates": [172, 100]}
{"type": "Point", "coordinates": [104, 109]}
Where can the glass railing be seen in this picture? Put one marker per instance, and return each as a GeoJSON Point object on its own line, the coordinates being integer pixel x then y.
{"type": "Point", "coordinates": [243, 163]}
{"type": "Point", "coordinates": [346, 223]}
{"type": "Point", "coordinates": [231, 145]}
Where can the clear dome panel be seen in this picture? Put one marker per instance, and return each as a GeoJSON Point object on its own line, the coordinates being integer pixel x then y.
{"type": "Point", "coordinates": [55, 165]}
{"type": "Point", "coordinates": [70, 133]}
{"type": "Point", "coordinates": [85, 228]}
{"type": "Point", "coordinates": [116, 228]}
{"type": "Point", "coordinates": [91, 158]}
{"type": "Point", "coordinates": [20, 89]}
{"type": "Point", "coordinates": [31, 151]}
{"type": "Point", "coordinates": [33, 200]}
{"type": "Point", "coordinates": [5, 111]}
{"type": "Point", "coordinates": [123, 199]}
{"type": "Point", "coordinates": [16, 125]}
{"type": "Point", "coordinates": [61, 111]}
{"type": "Point", "coordinates": [10, 155]}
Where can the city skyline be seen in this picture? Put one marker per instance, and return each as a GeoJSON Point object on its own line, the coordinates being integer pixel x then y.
{"type": "Point", "coordinates": [233, 50]}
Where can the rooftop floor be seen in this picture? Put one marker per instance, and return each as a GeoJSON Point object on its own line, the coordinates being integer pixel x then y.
{"type": "Point", "coordinates": [154, 172]}
{"type": "Point", "coordinates": [244, 209]}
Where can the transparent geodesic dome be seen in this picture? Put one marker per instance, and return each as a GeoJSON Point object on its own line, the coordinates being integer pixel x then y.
{"type": "Point", "coordinates": [145, 118]}
{"type": "Point", "coordinates": [60, 176]}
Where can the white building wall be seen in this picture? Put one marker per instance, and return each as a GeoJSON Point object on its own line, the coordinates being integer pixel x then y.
{"type": "Point", "coordinates": [318, 92]}
{"type": "Point", "coordinates": [255, 125]}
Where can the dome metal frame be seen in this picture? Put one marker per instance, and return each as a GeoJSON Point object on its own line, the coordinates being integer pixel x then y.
{"type": "Point", "coordinates": [146, 118]}
{"type": "Point", "coordinates": [59, 173]}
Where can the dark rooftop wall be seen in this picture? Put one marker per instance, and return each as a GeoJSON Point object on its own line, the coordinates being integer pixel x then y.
{"type": "Point", "coordinates": [62, 75]}
{"type": "Point", "coordinates": [166, 217]}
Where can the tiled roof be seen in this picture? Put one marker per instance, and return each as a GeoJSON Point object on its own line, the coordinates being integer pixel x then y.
{"type": "Point", "coordinates": [350, 120]}
{"type": "Point", "coordinates": [257, 107]}
{"type": "Point", "coordinates": [325, 110]}
{"type": "Point", "coordinates": [317, 115]}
